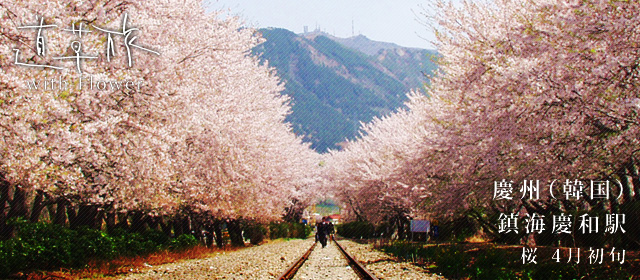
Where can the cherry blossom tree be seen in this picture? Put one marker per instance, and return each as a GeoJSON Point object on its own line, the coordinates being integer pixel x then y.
{"type": "Point", "coordinates": [526, 90]}
{"type": "Point", "coordinates": [549, 98]}
{"type": "Point", "coordinates": [204, 133]}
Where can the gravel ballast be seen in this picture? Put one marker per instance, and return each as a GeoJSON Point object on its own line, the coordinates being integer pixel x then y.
{"type": "Point", "coordinates": [383, 265]}
{"type": "Point", "coordinates": [326, 263]}
{"type": "Point", "coordinates": [267, 261]}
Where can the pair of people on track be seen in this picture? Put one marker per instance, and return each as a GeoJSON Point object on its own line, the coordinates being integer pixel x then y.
{"type": "Point", "coordinates": [324, 229]}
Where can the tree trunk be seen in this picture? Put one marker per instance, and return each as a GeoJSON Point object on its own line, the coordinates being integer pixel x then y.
{"type": "Point", "coordinates": [400, 223]}
{"type": "Point", "coordinates": [138, 222]}
{"type": "Point", "coordinates": [177, 227]}
{"type": "Point", "coordinates": [18, 209]}
{"type": "Point", "coordinates": [123, 220]}
{"type": "Point", "coordinates": [235, 232]}
{"type": "Point", "coordinates": [486, 224]}
{"type": "Point", "coordinates": [355, 209]}
{"type": "Point", "coordinates": [217, 229]}
{"type": "Point", "coordinates": [209, 238]}
{"type": "Point", "coordinates": [87, 216]}
{"type": "Point", "coordinates": [4, 198]}
{"type": "Point", "coordinates": [635, 179]}
{"type": "Point", "coordinates": [60, 217]}
{"type": "Point", "coordinates": [37, 206]}
{"type": "Point", "coordinates": [72, 216]}
{"type": "Point", "coordinates": [196, 230]}
{"type": "Point", "coordinates": [153, 222]}
{"type": "Point", "coordinates": [186, 225]}
{"type": "Point", "coordinates": [293, 213]}
{"type": "Point", "coordinates": [166, 226]}
{"type": "Point", "coordinates": [110, 220]}
{"type": "Point", "coordinates": [18, 204]}
{"type": "Point", "coordinates": [627, 183]}
{"type": "Point", "coordinates": [98, 218]}
{"type": "Point", "coordinates": [51, 209]}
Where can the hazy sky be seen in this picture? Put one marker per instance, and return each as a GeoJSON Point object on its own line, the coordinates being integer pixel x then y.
{"type": "Point", "coordinates": [380, 20]}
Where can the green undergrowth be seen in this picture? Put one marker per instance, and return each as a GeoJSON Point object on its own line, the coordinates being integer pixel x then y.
{"type": "Point", "coordinates": [289, 230]}
{"type": "Point", "coordinates": [44, 246]}
{"type": "Point", "coordinates": [358, 230]}
{"type": "Point", "coordinates": [487, 261]}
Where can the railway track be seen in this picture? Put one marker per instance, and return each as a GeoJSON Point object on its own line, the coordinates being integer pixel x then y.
{"type": "Point", "coordinates": [359, 270]}
{"type": "Point", "coordinates": [291, 271]}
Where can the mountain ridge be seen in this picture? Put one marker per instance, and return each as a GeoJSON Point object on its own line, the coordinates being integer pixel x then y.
{"type": "Point", "coordinates": [333, 87]}
{"type": "Point", "coordinates": [358, 42]}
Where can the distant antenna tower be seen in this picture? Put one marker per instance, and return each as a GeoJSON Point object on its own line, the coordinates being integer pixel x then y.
{"type": "Point", "coordinates": [306, 29]}
{"type": "Point", "coordinates": [353, 33]}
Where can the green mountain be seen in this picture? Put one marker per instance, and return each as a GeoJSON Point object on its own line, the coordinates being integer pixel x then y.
{"type": "Point", "coordinates": [334, 87]}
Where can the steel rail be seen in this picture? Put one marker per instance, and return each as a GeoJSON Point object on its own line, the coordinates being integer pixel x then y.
{"type": "Point", "coordinates": [353, 263]}
{"type": "Point", "coordinates": [296, 265]}
{"type": "Point", "coordinates": [357, 267]}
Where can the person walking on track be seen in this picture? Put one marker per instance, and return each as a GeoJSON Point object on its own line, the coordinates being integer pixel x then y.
{"type": "Point", "coordinates": [322, 230]}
